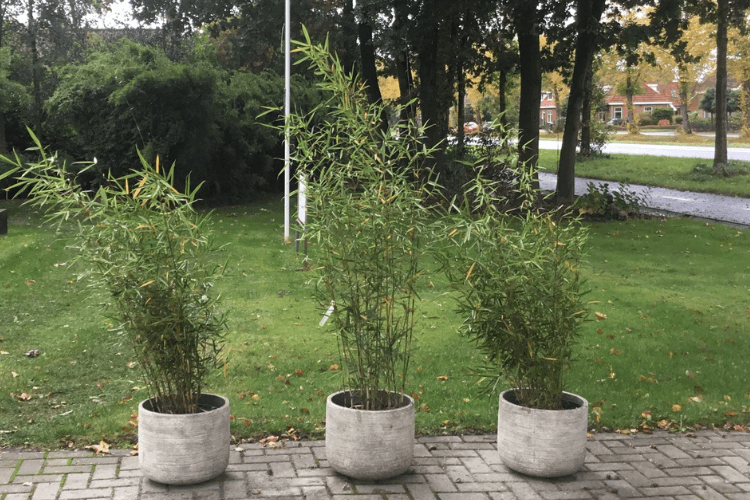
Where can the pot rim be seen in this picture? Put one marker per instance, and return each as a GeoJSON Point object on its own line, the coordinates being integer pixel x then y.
{"type": "Point", "coordinates": [224, 402]}
{"type": "Point", "coordinates": [569, 396]}
{"type": "Point", "coordinates": [330, 402]}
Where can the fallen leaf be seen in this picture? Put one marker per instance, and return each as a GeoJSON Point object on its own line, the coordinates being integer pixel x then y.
{"type": "Point", "coordinates": [695, 399]}
{"type": "Point", "coordinates": [424, 407]}
{"type": "Point", "coordinates": [132, 364]}
{"type": "Point", "coordinates": [14, 374]}
{"type": "Point", "coordinates": [730, 414]}
{"type": "Point", "coordinates": [305, 411]}
{"type": "Point", "coordinates": [101, 449]}
{"type": "Point", "coordinates": [650, 380]}
{"type": "Point", "coordinates": [443, 378]}
{"type": "Point", "coordinates": [676, 408]}
{"type": "Point", "coordinates": [299, 372]}
{"type": "Point", "coordinates": [646, 415]}
{"type": "Point", "coordinates": [334, 367]}
{"type": "Point", "coordinates": [616, 352]}
{"type": "Point", "coordinates": [600, 316]}
{"type": "Point", "coordinates": [32, 353]}
{"type": "Point", "coordinates": [247, 423]}
{"type": "Point", "coordinates": [24, 396]}
{"type": "Point", "coordinates": [612, 375]}
{"type": "Point", "coordinates": [727, 399]}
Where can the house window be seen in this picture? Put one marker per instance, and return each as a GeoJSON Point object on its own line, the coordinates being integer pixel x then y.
{"type": "Point", "coordinates": [647, 109]}
{"type": "Point", "coordinates": [549, 116]}
{"type": "Point", "coordinates": [618, 113]}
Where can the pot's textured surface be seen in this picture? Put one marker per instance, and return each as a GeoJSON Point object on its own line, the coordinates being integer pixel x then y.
{"type": "Point", "coordinates": [543, 443]}
{"type": "Point", "coordinates": [184, 449]}
{"type": "Point", "coordinates": [365, 444]}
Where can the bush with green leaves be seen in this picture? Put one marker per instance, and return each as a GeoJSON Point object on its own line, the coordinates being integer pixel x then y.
{"type": "Point", "coordinates": [368, 223]}
{"type": "Point", "coordinates": [149, 249]}
{"type": "Point", "coordinates": [202, 118]}
{"type": "Point", "coordinates": [519, 289]}
{"type": "Point", "coordinates": [610, 203]}
{"type": "Point", "coordinates": [703, 172]}
{"type": "Point", "coordinates": [659, 114]}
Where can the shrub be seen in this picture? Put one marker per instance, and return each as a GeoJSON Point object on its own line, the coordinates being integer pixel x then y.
{"type": "Point", "coordinates": [659, 114]}
{"type": "Point", "coordinates": [610, 203]}
{"type": "Point", "coordinates": [519, 290]}
{"type": "Point", "coordinates": [703, 172]}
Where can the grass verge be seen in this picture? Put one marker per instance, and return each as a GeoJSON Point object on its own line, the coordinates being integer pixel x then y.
{"type": "Point", "coordinates": [662, 171]}
{"type": "Point", "coordinates": [672, 348]}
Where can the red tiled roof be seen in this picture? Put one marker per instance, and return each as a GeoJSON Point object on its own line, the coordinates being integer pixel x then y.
{"type": "Point", "coordinates": [653, 93]}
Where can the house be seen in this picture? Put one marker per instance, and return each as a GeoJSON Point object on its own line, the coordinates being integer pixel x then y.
{"type": "Point", "coordinates": [547, 110]}
{"type": "Point", "coordinates": [653, 95]}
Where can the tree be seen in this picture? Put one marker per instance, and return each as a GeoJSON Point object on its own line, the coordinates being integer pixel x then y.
{"type": "Point", "coordinates": [588, 14]}
{"type": "Point", "coordinates": [724, 13]}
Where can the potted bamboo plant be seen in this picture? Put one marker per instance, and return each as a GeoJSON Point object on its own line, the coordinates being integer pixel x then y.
{"type": "Point", "coordinates": [146, 245]}
{"type": "Point", "coordinates": [519, 289]}
{"type": "Point", "coordinates": [366, 223]}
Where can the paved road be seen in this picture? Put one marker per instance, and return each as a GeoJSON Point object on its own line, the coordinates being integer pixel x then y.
{"type": "Point", "coordinates": [690, 466]}
{"type": "Point", "coordinates": [706, 152]}
{"type": "Point", "coordinates": [714, 207]}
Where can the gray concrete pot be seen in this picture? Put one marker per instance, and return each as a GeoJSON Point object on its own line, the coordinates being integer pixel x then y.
{"type": "Point", "coordinates": [543, 443]}
{"type": "Point", "coordinates": [368, 444]}
{"type": "Point", "coordinates": [186, 448]}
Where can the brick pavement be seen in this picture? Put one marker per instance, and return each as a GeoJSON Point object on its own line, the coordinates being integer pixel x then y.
{"type": "Point", "coordinates": [708, 465]}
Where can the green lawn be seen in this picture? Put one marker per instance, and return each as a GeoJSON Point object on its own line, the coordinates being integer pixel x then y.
{"type": "Point", "coordinates": [674, 293]}
{"type": "Point", "coordinates": [662, 171]}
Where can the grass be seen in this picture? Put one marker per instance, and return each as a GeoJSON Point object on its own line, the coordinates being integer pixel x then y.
{"type": "Point", "coordinates": [674, 293]}
{"type": "Point", "coordinates": [662, 171]}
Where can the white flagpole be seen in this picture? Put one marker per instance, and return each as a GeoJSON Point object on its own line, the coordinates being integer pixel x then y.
{"type": "Point", "coordinates": [287, 99]}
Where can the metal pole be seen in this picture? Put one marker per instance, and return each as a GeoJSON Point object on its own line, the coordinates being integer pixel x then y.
{"type": "Point", "coordinates": [287, 99]}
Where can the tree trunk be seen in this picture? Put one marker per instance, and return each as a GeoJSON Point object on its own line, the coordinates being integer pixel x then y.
{"type": "Point", "coordinates": [429, 92]}
{"type": "Point", "coordinates": [369, 68]}
{"type": "Point", "coordinates": [349, 50]}
{"type": "Point", "coordinates": [531, 86]}
{"type": "Point", "coordinates": [745, 103]}
{"type": "Point", "coordinates": [502, 84]}
{"type": "Point", "coordinates": [461, 113]}
{"type": "Point", "coordinates": [587, 17]}
{"type": "Point", "coordinates": [720, 146]}
{"type": "Point", "coordinates": [684, 100]}
{"type": "Point", "coordinates": [3, 144]}
{"type": "Point", "coordinates": [586, 115]}
{"type": "Point", "coordinates": [632, 119]}
{"type": "Point", "coordinates": [403, 68]}
{"type": "Point", "coordinates": [35, 72]}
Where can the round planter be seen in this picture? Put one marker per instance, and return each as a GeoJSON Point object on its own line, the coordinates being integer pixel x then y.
{"type": "Point", "coordinates": [185, 448]}
{"type": "Point", "coordinates": [543, 443]}
{"type": "Point", "coordinates": [367, 444]}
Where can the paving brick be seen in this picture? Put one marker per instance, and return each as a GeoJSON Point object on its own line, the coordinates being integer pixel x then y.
{"type": "Point", "coordinates": [565, 495]}
{"type": "Point", "coordinates": [125, 493]}
{"type": "Point", "coordinates": [439, 439]}
{"type": "Point", "coordinates": [88, 493]}
{"type": "Point", "coordinates": [730, 474]}
{"type": "Point", "coordinates": [420, 491]}
{"type": "Point", "coordinates": [689, 471]}
{"type": "Point", "coordinates": [648, 469]}
{"type": "Point", "coordinates": [523, 491]}
{"type": "Point", "coordinates": [77, 481]}
{"type": "Point", "coordinates": [462, 496]}
{"type": "Point", "coordinates": [46, 491]}
{"type": "Point", "coordinates": [459, 474]}
{"type": "Point", "coordinates": [476, 465]}
{"type": "Point", "coordinates": [306, 461]}
{"type": "Point", "coordinates": [5, 475]}
{"type": "Point", "coordinates": [97, 460]}
{"type": "Point", "coordinates": [128, 463]}
{"type": "Point", "coordinates": [338, 485]}
{"type": "Point", "coordinates": [67, 469]}
{"type": "Point", "coordinates": [33, 466]}
{"type": "Point", "coordinates": [487, 487]}
{"type": "Point", "coordinates": [105, 471]}
{"type": "Point", "coordinates": [672, 451]}
{"type": "Point", "coordinates": [321, 493]}
{"type": "Point", "coordinates": [440, 483]}
{"type": "Point", "coordinates": [706, 492]}
{"type": "Point", "coordinates": [115, 483]}
{"type": "Point", "coordinates": [70, 454]}
{"type": "Point", "coordinates": [39, 478]}
{"type": "Point", "coordinates": [282, 469]}
{"type": "Point", "coordinates": [665, 491]}
{"type": "Point", "coordinates": [472, 446]}
{"type": "Point", "coordinates": [380, 488]}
